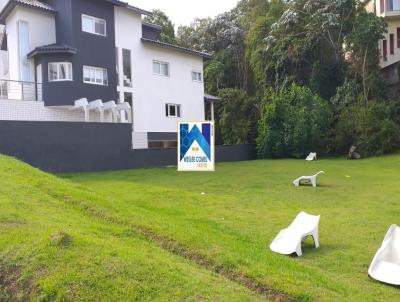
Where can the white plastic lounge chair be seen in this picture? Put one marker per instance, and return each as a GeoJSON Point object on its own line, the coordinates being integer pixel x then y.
{"type": "Point", "coordinates": [385, 266]}
{"type": "Point", "coordinates": [308, 179]}
{"type": "Point", "coordinates": [289, 240]}
{"type": "Point", "coordinates": [311, 157]}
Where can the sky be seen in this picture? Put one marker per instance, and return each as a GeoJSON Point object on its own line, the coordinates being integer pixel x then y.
{"type": "Point", "coordinates": [183, 12]}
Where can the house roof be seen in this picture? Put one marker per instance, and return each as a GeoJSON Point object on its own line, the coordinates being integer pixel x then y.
{"type": "Point", "coordinates": [152, 25]}
{"type": "Point", "coordinates": [177, 48]}
{"type": "Point", "coordinates": [130, 7]}
{"type": "Point", "coordinates": [46, 7]}
{"type": "Point", "coordinates": [29, 3]}
{"type": "Point", "coordinates": [52, 49]}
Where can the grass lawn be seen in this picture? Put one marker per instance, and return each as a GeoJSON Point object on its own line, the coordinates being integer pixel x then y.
{"type": "Point", "coordinates": [151, 235]}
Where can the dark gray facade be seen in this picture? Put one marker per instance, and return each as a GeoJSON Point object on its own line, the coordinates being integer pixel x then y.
{"type": "Point", "coordinates": [80, 147]}
{"type": "Point", "coordinates": [92, 50]}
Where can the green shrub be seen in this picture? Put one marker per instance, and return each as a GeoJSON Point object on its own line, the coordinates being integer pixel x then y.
{"type": "Point", "coordinates": [293, 123]}
{"type": "Point", "coordinates": [369, 126]}
{"type": "Point", "coordinates": [237, 116]}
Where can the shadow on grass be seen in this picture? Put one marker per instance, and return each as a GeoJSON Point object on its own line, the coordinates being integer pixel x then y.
{"type": "Point", "coordinates": [308, 248]}
{"type": "Point", "coordinates": [387, 284]}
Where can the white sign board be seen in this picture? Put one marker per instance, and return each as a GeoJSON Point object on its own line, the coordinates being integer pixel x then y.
{"type": "Point", "coordinates": [196, 148]}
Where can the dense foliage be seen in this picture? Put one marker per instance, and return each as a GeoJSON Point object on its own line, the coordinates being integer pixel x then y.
{"type": "Point", "coordinates": [307, 51]}
{"type": "Point", "coordinates": [294, 122]}
{"type": "Point", "coordinates": [237, 116]}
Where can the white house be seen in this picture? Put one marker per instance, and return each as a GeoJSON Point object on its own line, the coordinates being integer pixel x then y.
{"type": "Point", "coordinates": [96, 61]}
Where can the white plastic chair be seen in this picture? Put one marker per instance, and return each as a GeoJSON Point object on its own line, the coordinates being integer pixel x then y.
{"type": "Point", "coordinates": [289, 240]}
{"type": "Point", "coordinates": [385, 266]}
{"type": "Point", "coordinates": [308, 179]}
{"type": "Point", "coordinates": [311, 157]}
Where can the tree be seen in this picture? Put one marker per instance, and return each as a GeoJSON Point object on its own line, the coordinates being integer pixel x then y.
{"type": "Point", "coordinates": [305, 45]}
{"type": "Point", "coordinates": [197, 36]}
{"type": "Point", "coordinates": [362, 46]}
{"type": "Point", "coordinates": [237, 116]}
{"type": "Point", "coordinates": [167, 32]}
{"type": "Point", "coordinates": [213, 76]}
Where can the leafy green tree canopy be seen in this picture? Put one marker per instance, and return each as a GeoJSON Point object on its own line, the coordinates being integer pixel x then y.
{"type": "Point", "coordinates": [167, 32]}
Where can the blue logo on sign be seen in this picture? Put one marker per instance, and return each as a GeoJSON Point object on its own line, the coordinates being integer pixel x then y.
{"type": "Point", "coordinates": [201, 137]}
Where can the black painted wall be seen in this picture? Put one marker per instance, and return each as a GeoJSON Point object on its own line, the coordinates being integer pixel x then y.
{"type": "Point", "coordinates": [93, 50]}
{"type": "Point", "coordinates": [80, 147]}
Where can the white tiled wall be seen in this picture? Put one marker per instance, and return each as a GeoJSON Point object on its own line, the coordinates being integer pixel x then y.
{"type": "Point", "coordinates": [36, 111]}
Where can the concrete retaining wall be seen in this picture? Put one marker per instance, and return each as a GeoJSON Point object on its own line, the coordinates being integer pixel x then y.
{"type": "Point", "coordinates": [82, 147]}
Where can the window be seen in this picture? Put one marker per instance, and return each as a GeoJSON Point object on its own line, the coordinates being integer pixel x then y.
{"type": "Point", "coordinates": [173, 110]}
{"type": "Point", "coordinates": [398, 37]}
{"type": "Point", "coordinates": [60, 71]}
{"type": "Point", "coordinates": [94, 25]}
{"type": "Point", "coordinates": [117, 64]}
{"type": "Point", "coordinates": [95, 75]}
{"type": "Point", "coordinates": [128, 98]}
{"type": "Point", "coordinates": [382, 6]}
{"type": "Point", "coordinates": [24, 48]}
{"type": "Point", "coordinates": [126, 64]}
{"type": "Point", "coordinates": [384, 50]}
{"type": "Point", "coordinates": [161, 68]}
{"type": "Point", "coordinates": [197, 76]}
{"type": "Point", "coordinates": [393, 5]}
{"type": "Point", "coordinates": [391, 43]}
{"type": "Point", "coordinates": [162, 144]}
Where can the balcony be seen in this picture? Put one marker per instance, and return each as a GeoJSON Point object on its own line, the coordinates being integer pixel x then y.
{"type": "Point", "coordinates": [21, 91]}
{"type": "Point", "coordinates": [390, 9]}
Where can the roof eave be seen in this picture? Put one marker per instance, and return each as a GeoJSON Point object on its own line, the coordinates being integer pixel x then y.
{"type": "Point", "coordinates": [7, 9]}
{"type": "Point", "coordinates": [131, 7]}
{"type": "Point", "coordinates": [37, 52]}
{"type": "Point", "coordinates": [211, 98]}
{"type": "Point", "coordinates": [177, 48]}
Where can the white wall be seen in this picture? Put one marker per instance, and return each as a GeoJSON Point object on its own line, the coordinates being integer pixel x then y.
{"type": "Point", "coordinates": [12, 110]}
{"type": "Point", "coordinates": [3, 64]}
{"type": "Point", "coordinates": [152, 92]}
{"type": "Point", "coordinates": [2, 4]}
{"type": "Point", "coordinates": [42, 31]}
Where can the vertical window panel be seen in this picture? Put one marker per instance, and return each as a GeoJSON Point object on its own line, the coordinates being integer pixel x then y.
{"type": "Point", "coordinates": [384, 49]}
{"type": "Point", "coordinates": [391, 43]}
{"type": "Point", "coordinates": [398, 37]}
{"type": "Point", "coordinates": [127, 67]}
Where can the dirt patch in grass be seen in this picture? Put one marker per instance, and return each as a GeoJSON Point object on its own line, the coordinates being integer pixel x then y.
{"type": "Point", "coordinates": [11, 286]}
{"type": "Point", "coordinates": [234, 276]}
{"type": "Point", "coordinates": [61, 239]}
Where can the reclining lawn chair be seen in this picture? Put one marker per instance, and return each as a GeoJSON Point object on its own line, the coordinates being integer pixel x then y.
{"type": "Point", "coordinates": [311, 157]}
{"type": "Point", "coordinates": [308, 179]}
{"type": "Point", "coordinates": [289, 240]}
{"type": "Point", "coordinates": [385, 266]}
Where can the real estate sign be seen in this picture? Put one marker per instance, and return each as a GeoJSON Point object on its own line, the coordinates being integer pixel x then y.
{"type": "Point", "coordinates": [196, 148]}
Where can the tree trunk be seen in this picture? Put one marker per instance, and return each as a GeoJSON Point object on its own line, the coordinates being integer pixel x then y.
{"type": "Point", "coordinates": [364, 79]}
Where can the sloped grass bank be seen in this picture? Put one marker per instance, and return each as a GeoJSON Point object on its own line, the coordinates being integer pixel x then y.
{"type": "Point", "coordinates": [57, 245]}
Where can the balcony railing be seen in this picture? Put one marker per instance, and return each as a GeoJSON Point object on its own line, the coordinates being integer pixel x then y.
{"type": "Point", "coordinates": [22, 91]}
